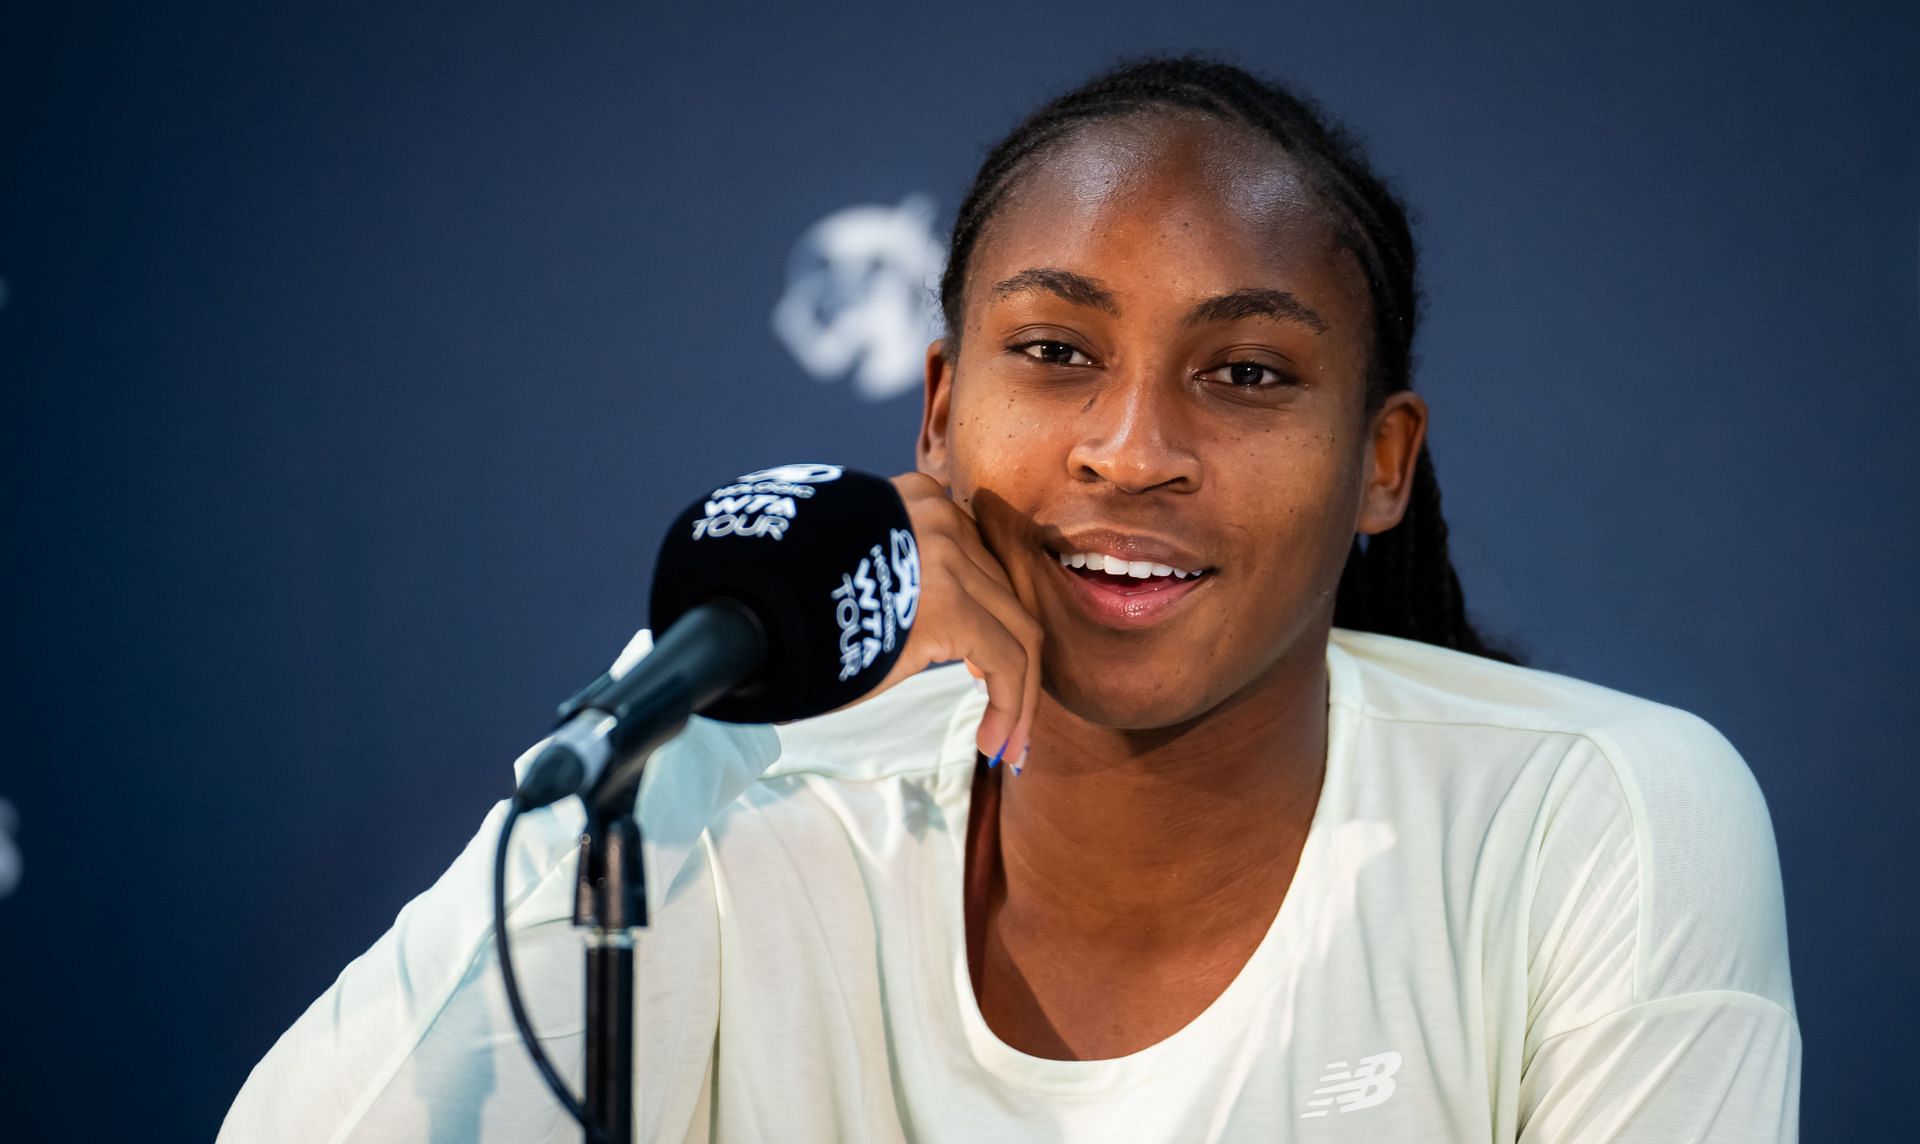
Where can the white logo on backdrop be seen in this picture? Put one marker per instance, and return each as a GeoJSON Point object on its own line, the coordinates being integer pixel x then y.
{"type": "Point", "coordinates": [862, 290]}
{"type": "Point", "coordinates": [9, 853]}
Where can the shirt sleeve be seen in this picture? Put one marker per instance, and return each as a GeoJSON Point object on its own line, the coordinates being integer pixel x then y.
{"type": "Point", "coordinates": [1712, 1067]}
{"type": "Point", "coordinates": [415, 1041]}
{"type": "Point", "coordinates": [1660, 1003]}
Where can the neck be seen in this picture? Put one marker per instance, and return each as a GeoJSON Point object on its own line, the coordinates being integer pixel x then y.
{"type": "Point", "coordinates": [1160, 836]}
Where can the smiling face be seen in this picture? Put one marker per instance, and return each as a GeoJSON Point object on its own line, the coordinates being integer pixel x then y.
{"type": "Point", "coordinates": [1162, 369]}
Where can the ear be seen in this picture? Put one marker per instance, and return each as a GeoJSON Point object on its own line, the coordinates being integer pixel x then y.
{"type": "Point", "coordinates": [1395, 436]}
{"type": "Point", "coordinates": [930, 456]}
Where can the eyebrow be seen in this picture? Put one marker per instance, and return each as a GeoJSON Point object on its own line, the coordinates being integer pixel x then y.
{"type": "Point", "coordinates": [1256, 302]}
{"type": "Point", "coordinates": [1075, 288]}
{"type": "Point", "coordinates": [1249, 302]}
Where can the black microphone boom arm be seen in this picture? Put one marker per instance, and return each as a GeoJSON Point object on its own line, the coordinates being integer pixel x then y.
{"type": "Point", "coordinates": [710, 651]}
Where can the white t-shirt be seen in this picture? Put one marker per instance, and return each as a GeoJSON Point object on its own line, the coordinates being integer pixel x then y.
{"type": "Point", "coordinates": [1528, 908]}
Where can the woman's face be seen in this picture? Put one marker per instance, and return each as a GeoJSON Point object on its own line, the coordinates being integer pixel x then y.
{"type": "Point", "coordinates": [1163, 361]}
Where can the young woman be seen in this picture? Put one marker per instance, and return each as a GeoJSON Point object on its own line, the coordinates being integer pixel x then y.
{"type": "Point", "coordinates": [1281, 850]}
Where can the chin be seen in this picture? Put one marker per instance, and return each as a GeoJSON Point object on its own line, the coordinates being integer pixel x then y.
{"type": "Point", "coordinates": [1132, 705]}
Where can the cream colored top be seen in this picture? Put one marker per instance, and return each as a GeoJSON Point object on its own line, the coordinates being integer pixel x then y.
{"type": "Point", "coordinates": [1528, 908]}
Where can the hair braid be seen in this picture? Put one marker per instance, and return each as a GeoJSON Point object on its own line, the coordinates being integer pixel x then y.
{"type": "Point", "coordinates": [1400, 582]}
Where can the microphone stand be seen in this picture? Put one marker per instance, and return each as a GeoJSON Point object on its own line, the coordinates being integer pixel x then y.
{"type": "Point", "coordinates": [610, 902]}
{"type": "Point", "coordinates": [706, 653]}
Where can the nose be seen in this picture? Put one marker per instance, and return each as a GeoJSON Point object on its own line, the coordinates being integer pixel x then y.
{"type": "Point", "coordinates": [1133, 435]}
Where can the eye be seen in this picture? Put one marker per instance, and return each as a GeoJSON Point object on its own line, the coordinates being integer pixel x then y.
{"type": "Point", "coordinates": [1053, 353]}
{"type": "Point", "coordinates": [1247, 375]}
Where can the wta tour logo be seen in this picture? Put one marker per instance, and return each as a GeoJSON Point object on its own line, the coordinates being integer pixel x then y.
{"type": "Point", "coordinates": [761, 503]}
{"type": "Point", "coordinates": [876, 602]}
{"type": "Point", "coordinates": [861, 294]}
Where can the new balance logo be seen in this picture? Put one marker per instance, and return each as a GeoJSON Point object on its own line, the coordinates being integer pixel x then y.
{"type": "Point", "coordinates": [1351, 1088]}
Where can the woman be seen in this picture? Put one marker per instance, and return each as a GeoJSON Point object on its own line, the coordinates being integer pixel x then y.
{"type": "Point", "coordinates": [1248, 875]}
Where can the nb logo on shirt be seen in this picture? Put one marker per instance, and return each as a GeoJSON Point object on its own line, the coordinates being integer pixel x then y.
{"type": "Point", "coordinates": [1352, 1088]}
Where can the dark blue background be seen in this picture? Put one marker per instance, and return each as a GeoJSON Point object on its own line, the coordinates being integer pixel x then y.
{"type": "Point", "coordinates": [354, 356]}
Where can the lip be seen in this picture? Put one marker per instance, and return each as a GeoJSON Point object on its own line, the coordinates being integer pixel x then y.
{"type": "Point", "coordinates": [1128, 546]}
{"type": "Point", "coordinates": [1120, 604]}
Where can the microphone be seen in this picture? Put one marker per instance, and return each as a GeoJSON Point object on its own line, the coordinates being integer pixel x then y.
{"type": "Point", "coordinates": [782, 594]}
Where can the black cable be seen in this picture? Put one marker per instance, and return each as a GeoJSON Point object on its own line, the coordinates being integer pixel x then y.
{"type": "Point", "coordinates": [520, 1019]}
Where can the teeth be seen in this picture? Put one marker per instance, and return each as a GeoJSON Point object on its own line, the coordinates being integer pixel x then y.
{"type": "Point", "coordinates": [1114, 566]}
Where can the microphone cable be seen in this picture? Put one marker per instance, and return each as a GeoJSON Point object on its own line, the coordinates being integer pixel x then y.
{"type": "Point", "coordinates": [520, 1019]}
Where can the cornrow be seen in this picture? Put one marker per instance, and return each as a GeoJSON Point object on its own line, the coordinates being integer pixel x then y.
{"type": "Point", "coordinates": [1400, 582]}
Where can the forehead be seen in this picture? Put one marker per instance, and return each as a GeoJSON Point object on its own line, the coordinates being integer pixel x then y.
{"type": "Point", "coordinates": [1171, 196]}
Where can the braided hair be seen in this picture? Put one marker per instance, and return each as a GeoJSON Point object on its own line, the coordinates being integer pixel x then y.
{"type": "Point", "coordinates": [1400, 582]}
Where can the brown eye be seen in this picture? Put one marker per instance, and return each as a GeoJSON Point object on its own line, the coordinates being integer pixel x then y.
{"type": "Point", "coordinates": [1054, 353]}
{"type": "Point", "coordinates": [1247, 375]}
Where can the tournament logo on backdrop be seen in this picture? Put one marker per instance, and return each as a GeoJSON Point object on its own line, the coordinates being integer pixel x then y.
{"type": "Point", "coordinates": [9, 852]}
{"type": "Point", "coordinates": [862, 297]}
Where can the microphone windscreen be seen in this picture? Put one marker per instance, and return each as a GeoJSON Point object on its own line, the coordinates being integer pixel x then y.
{"type": "Point", "coordinates": [825, 559]}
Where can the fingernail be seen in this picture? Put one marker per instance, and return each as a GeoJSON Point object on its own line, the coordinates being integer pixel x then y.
{"type": "Point", "coordinates": [995, 761]}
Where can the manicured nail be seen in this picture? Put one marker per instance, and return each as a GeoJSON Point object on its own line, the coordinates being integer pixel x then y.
{"type": "Point", "coordinates": [1024, 752]}
{"type": "Point", "coordinates": [995, 761]}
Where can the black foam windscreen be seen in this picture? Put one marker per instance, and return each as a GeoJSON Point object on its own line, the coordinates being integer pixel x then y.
{"type": "Point", "coordinates": [825, 559]}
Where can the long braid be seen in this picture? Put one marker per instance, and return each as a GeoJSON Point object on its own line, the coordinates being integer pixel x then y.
{"type": "Point", "coordinates": [1404, 582]}
{"type": "Point", "coordinates": [1400, 582]}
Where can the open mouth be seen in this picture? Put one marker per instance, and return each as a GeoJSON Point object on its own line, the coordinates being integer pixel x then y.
{"type": "Point", "coordinates": [1104, 565]}
{"type": "Point", "coordinates": [1126, 576]}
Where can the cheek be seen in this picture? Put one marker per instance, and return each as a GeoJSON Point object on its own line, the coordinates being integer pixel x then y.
{"type": "Point", "coordinates": [996, 444]}
{"type": "Point", "coordinates": [1296, 492]}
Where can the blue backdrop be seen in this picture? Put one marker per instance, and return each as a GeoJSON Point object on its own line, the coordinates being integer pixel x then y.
{"type": "Point", "coordinates": [354, 356]}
